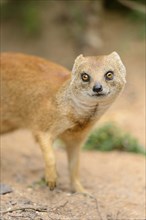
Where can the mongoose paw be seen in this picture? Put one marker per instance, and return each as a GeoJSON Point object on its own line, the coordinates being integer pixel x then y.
{"type": "Point", "coordinates": [78, 188]}
{"type": "Point", "coordinates": [52, 185]}
{"type": "Point", "coordinates": [51, 178]}
{"type": "Point", "coordinates": [81, 190]}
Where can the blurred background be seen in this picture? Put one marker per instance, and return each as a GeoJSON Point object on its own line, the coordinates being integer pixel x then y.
{"type": "Point", "coordinates": [60, 30]}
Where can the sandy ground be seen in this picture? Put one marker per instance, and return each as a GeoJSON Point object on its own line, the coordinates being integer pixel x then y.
{"type": "Point", "coordinates": [117, 180]}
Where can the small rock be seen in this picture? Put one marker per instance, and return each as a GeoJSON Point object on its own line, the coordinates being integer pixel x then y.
{"type": "Point", "coordinates": [4, 189]}
{"type": "Point", "coordinates": [12, 202]}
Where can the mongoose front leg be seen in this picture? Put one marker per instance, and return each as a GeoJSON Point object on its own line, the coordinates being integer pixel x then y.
{"type": "Point", "coordinates": [45, 141]}
{"type": "Point", "coordinates": [73, 153]}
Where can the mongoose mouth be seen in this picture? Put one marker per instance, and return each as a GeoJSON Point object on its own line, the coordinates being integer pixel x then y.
{"type": "Point", "coordinates": [98, 94]}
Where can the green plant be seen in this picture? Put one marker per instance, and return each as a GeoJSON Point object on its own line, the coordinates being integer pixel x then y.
{"type": "Point", "coordinates": [110, 137]}
{"type": "Point", "coordinates": [24, 13]}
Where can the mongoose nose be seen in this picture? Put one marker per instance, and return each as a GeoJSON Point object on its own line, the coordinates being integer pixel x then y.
{"type": "Point", "coordinates": [97, 88]}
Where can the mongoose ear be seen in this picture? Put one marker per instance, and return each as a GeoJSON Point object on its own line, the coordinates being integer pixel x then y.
{"type": "Point", "coordinates": [121, 66]}
{"type": "Point", "coordinates": [115, 55]}
{"type": "Point", "coordinates": [77, 62]}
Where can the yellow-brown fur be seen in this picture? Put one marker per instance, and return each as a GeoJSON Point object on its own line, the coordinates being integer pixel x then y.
{"type": "Point", "coordinates": [53, 103]}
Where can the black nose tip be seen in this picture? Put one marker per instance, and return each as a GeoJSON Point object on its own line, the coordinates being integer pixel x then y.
{"type": "Point", "coordinates": [97, 88]}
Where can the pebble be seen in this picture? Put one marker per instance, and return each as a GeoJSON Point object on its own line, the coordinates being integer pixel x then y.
{"type": "Point", "coordinates": [4, 189]}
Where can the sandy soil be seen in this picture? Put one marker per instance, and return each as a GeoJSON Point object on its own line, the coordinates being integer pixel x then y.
{"type": "Point", "coordinates": [117, 180]}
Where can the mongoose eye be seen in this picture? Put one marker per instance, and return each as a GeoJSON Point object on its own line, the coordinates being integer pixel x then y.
{"type": "Point", "coordinates": [109, 75]}
{"type": "Point", "coordinates": [85, 77]}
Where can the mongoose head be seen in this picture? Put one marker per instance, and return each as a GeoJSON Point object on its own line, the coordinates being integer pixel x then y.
{"type": "Point", "coordinates": [98, 77]}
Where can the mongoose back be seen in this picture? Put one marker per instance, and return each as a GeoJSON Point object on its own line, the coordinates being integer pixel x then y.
{"type": "Point", "coordinates": [55, 103]}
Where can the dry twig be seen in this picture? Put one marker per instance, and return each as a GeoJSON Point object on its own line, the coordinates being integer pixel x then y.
{"type": "Point", "coordinates": [37, 209]}
{"type": "Point", "coordinates": [61, 206]}
{"type": "Point", "coordinates": [23, 209]}
{"type": "Point", "coordinates": [96, 202]}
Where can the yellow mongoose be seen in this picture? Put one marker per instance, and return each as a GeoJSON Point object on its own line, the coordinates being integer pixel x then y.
{"type": "Point", "coordinates": [54, 103]}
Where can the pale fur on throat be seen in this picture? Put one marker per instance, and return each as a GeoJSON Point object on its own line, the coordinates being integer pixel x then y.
{"type": "Point", "coordinates": [83, 104]}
